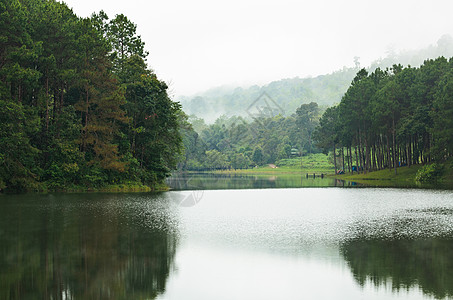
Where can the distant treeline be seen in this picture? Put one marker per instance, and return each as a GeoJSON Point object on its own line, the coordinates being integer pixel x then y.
{"type": "Point", "coordinates": [394, 117]}
{"type": "Point", "coordinates": [78, 105]}
{"type": "Point", "coordinates": [235, 143]}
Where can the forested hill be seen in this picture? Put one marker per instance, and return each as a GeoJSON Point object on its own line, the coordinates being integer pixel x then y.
{"type": "Point", "coordinates": [289, 94]}
{"type": "Point", "coordinates": [325, 90]}
{"type": "Point", "coordinates": [79, 109]}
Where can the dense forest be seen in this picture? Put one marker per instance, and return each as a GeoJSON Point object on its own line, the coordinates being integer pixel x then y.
{"type": "Point", "coordinates": [78, 105]}
{"type": "Point", "coordinates": [394, 117]}
{"type": "Point", "coordinates": [238, 143]}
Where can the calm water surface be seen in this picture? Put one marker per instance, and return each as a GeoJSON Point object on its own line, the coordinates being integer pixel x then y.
{"type": "Point", "coordinates": [293, 243]}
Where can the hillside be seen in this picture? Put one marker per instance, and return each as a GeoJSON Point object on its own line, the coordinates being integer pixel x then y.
{"type": "Point", "coordinates": [289, 94]}
{"type": "Point", "coordinates": [292, 92]}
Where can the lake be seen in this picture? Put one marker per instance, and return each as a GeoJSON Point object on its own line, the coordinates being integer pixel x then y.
{"type": "Point", "coordinates": [268, 238]}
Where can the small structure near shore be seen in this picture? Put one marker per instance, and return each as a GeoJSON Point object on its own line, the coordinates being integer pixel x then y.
{"type": "Point", "coordinates": [315, 175]}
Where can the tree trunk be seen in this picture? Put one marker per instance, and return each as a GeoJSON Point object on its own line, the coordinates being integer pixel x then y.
{"type": "Point", "coordinates": [360, 150]}
{"type": "Point", "coordinates": [374, 157]}
{"type": "Point", "coordinates": [342, 156]}
{"type": "Point", "coordinates": [378, 153]}
{"type": "Point", "coordinates": [381, 140]}
{"type": "Point", "coordinates": [335, 158]}
{"type": "Point", "coordinates": [350, 159]}
{"type": "Point", "coordinates": [409, 158]}
{"type": "Point", "coordinates": [367, 153]}
{"type": "Point", "coordinates": [389, 162]}
{"type": "Point", "coordinates": [394, 145]}
{"type": "Point", "coordinates": [356, 160]}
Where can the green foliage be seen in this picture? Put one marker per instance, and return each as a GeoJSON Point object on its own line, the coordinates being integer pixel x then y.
{"type": "Point", "coordinates": [78, 105]}
{"type": "Point", "coordinates": [17, 156]}
{"type": "Point", "coordinates": [312, 161]}
{"type": "Point", "coordinates": [392, 118]}
{"type": "Point", "coordinates": [307, 118]}
{"type": "Point", "coordinates": [258, 156]}
{"type": "Point", "coordinates": [326, 134]}
{"type": "Point", "coordinates": [442, 115]}
{"type": "Point", "coordinates": [429, 173]}
{"type": "Point", "coordinates": [244, 145]}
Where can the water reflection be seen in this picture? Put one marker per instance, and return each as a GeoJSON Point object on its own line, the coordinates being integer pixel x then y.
{"type": "Point", "coordinates": [316, 243]}
{"type": "Point", "coordinates": [211, 181]}
{"type": "Point", "coordinates": [403, 264]}
{"type": "Point", "coordinates": [85, 247]}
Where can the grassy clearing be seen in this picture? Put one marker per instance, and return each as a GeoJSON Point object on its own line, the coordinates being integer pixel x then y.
{"type": "Point", "coordinates": [385, 178]}
{"type": "Point", "coordinates": [404, 174]}
{"type": "Point", "coordinates": [405, 177]}
{"type": "Point", "coordinates": [309, 162]}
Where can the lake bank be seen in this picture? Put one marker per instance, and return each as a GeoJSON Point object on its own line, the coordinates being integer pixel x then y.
{"type": "Point", "coordinates": [132, 187]}
{"type": "Point", "coordinates": [311, 164]}
{"type": "Point", "coordinates": [405, 177]}
{"type": "Point", "coordinates": [266, 170]}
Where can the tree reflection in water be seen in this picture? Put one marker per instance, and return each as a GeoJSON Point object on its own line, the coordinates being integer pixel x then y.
{"type": "Point", "coordinates": [426, 263]}
{"type": "Point", "coordinates": [86, 247]}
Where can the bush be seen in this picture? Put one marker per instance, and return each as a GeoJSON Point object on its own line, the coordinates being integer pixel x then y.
{"type": "Point", "coordinates": [429, 173]}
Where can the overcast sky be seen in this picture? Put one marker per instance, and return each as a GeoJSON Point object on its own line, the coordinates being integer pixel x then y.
{"type": "Point", "coordinates": [197, 45]}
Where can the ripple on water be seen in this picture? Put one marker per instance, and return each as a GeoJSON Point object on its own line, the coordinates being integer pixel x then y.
{"type": "Point", "coordinates": [294, 217]}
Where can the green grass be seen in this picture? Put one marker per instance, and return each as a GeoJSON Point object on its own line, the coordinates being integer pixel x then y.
{"type": "Point", "coordinates": [404, 174]}
{"type": "Point", "coordinates": [385, 178]}
{"type": "Point", "coordinates": [309, 162]}
{"type": "Point", "coordinates": [405, 177]}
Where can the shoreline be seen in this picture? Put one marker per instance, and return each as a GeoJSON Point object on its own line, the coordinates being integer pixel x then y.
{"type": "Point", "coordinates": [115, 188]}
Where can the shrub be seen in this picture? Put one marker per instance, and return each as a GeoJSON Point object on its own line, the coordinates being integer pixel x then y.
{"type": "Point", "coordinates": [429, 173]}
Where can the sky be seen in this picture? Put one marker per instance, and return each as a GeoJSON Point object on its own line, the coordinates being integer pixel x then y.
{"type": "Point", "coordinates": [200, 44]}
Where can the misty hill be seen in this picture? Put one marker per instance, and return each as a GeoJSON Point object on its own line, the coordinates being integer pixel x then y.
{"type": "Point", "coordinates": [415, 58]}
{"type": "Point", "coordinates": [287, 93]}
{"type": "Point", "coordinates": [290, 93]}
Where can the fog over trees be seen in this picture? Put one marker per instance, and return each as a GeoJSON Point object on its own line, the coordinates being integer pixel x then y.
{"type": "Point", "coordinates": [290, 93]}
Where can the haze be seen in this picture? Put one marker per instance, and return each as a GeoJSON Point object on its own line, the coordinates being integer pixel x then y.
{"type": "Point", "coordinates": [196, 45]}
